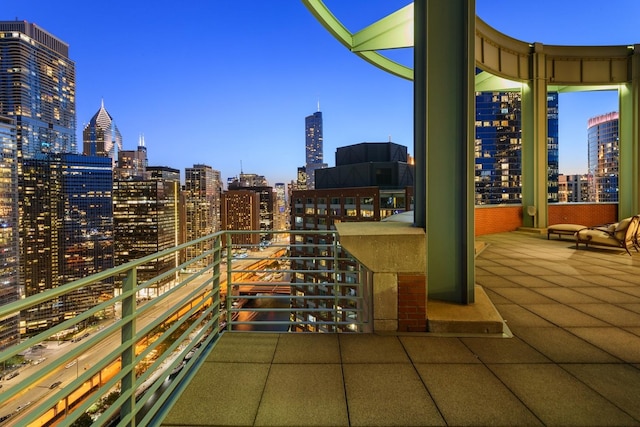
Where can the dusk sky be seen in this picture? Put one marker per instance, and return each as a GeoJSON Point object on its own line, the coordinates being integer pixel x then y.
{"type": "Point", "coordinates": [228, 83]}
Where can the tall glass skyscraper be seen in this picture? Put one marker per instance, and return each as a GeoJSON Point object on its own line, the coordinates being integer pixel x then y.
{"type": "Point", "coordinates": [9, 242]}
{"type": "Point", "coordinates": [101, 136]}
{"type": "Point", "coordinates": [67, 232]}
{"type": "Point", "coordinates": [202, 198]}
{"type": "Point", "coordinates": [498, 143]}
{"type": "Point", "coordinates": [37, 89]}
{"type": "Point", "coordinates": [603, 139]}
{"type": "Point", "coordinates": [313, 146]}
{"type": "Point", "coordinates": [145, 215]}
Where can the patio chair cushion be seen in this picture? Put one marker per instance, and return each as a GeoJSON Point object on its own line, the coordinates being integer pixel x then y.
{"type": "Point", "coordinates": [561, 229]}
{"type": "Point", "coordinates": [621, 228]}
{"type": "Point", "coordinates": [622, 236]}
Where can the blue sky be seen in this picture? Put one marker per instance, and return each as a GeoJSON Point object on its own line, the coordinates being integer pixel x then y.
{"type": "Point", "coordinates": [228, 83]}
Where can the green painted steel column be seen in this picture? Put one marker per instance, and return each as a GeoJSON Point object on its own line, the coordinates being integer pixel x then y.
{"type": "Point", "coordinates": [128, 337]}
{"type": "Point", "coordinates": [535, 186]}
{"type": "Point", "coordinates": [629, 133]}
{"type": "Point", "coordinates": [444, 103]}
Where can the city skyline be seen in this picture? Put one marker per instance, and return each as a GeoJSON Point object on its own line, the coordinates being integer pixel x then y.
{"type": "Point", "coordinates": [230, 85]}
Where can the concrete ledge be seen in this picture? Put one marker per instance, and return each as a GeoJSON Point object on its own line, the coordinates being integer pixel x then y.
{"type": "Point", "coordinates": [481, 317]}
{"type": "Point", "coordinates": [385, 247]}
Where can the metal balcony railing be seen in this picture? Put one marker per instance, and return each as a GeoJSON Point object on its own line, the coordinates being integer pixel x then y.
{"type": "Point", "coordinates": [122, 361]}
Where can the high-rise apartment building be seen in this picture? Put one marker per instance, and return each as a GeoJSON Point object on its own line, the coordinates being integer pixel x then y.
{"type": "Point", "coordinates": [573, 188]}
{"type": "Point", "coordinates": [603, 155]}
{"type": "Point", "coordinates": [132, 163]}
{"type": "Point", "coordinates": [201, 209]}
{"type": "Point", "coordinates": [370, 182]}
{"type": "Point", "coordinates": [101, 136]}
{"type": "Point", "coordinates": [280, 210]}
{"type": "Point", "coordinates": [37, 89]}
{"type": "Point", "coordinates": [241, 211]}
{"type": "Point", "coordinates": [313, 146]}
{"type": "Point", "coordinates": [145, 216]}
{"type": "Point", "coordinates": [259, 185]}
{"type": "Point", "coordinates": [498, 148]}
{"type": "Point", "coordinates": [67, 232]}
{"type": "Point", "coordinates": [9, 241]}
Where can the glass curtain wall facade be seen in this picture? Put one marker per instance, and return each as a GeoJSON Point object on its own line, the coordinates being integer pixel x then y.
{"type": "Point", "coordinates": [9, 242]}
{"type": "Point", "coordinates": [101, 136]}
{"type": "Point", "coordinates": [67, 233]}
{"type": "Point", "coordinates": [144, 215]}
{"type": "Point", "coordinates": [202, 192]}
{"type": "Point", "coordinates": [603, 141]}
{"type": "Point", "coordinates": [313, 147]}
{"type": "Point", "coordinates": [498, 148]}
{"type": "Point", "coordinates": [38, 84]}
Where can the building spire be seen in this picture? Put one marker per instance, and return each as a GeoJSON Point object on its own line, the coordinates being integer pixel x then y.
{"type": "Point", "coordinates": [318, 104]}
{"type": "Point", "coordinates": [102, 102]}
{"type": "Point", "coordinates": [141, 140]}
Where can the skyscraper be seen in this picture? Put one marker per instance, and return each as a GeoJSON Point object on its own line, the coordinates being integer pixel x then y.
{"type": "Point", "coordinates": [313, 146]}
{"type": "Point", "coordinates": [202, 194]}
{"type": "Point", "coordinates": [370, 182]}
{"type": "Point", "coordinates": [101, 136]}
{"type": "Point", "coordinates": [37, 89]}
{"type": "Point", "coordinates": [9, 242]}
{"type": "Point", "coordinates": [145, 220]}
{"type": "Point", "coordinates": [133, 163]}
{"type": "Point", "coordinates": [265, 213]}
{"type": "Point", "coordinates": [67, 232]}
{"type": "Point", "coordinates": [603, 139]}
{"type": "Point", "coordinates": [498, 147]}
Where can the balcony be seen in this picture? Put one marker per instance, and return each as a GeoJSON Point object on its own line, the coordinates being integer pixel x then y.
{"type": "Point", "coordinates": [570, 354]}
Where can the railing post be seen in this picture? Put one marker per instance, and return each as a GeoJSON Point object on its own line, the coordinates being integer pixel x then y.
{"type": "Point", "coordinates": [215, 284]}
{"type": "Point", "coordinates": [229, 276]}
{"type": "Point", "coordinates": [336, 287]}
{"type": "Point", "coordinates": [128, 333]}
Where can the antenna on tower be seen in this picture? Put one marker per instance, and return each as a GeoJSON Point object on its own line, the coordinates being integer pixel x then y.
{"type": "Point", "coordinates": [389, 138]}
{"type": "Point", "coordinates": [241, 167]}
{"type": "Point", "coordinates": [141, 140]}
{"type": "Point", "coordinates": [318, 104]}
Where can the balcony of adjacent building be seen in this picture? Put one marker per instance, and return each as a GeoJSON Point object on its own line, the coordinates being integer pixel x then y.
{"type": "Point", "coordinates": [218, 347]}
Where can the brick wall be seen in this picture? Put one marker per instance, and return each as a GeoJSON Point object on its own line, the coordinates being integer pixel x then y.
{"type": "Point", "coordinates": [588, 214]}
{"type": "Point", "coordinates": [497, 219]}
{"type": "Point", "coordinates": [412, 303]}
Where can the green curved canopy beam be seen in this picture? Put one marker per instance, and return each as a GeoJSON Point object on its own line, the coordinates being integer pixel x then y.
{"type": "Point", "coordinates": [392, 32]}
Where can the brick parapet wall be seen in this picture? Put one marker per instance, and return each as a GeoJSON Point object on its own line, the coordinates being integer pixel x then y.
{"type": "Point", "coordinates": [412, 303]}
{"type": "Point", "coordinates": [588, 214]}
{"type": "Point", "coordinates": [498, 219]}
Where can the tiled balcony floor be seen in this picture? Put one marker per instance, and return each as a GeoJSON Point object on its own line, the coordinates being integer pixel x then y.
{"type": "Point", "coordinates": [574, 358]}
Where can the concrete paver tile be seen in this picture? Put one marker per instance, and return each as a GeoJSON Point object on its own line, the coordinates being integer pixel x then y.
{"type": "Point", "coordinates": [522, 296]}
{"type": "Point", "coordinates": [307, 348]}
{"type": "Point", "coordinates": [388, 395]}
{"type": "Point", "coordinates": [437, 350]}
{"type": "Point", "coordinates": [471, 395]}
{"type": "Point", "coordinates": [616, 316]}
{"type": "Point", "coordinates": [563, 347]}
{"type": "Point", "coordinates": [558, 398]}
{"type": "Point", "coordinates": [220, 394]}
{"type": "Point", "coordinates": [567, 295]}
{"type": "Point", "coordinates": [511, 350]}
{"type": "Point", "coordinates": [622, 344]}
{"type": "Point", "coordinates": [241, 347]}
{"type": "Point", "coordinates": [288, 400]}
{"type": "Point", "coordinates": [562, 315]}
{"type": "Point", "coordinates": [516, 315]}
{"type": "Point", "coordinates": [370, 348]}
{"type": "Point", "coordinates": [618, 383]}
